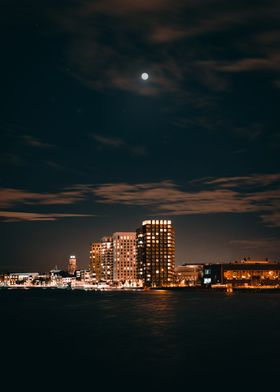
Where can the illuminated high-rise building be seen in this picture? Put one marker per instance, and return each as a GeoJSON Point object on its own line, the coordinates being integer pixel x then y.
{"type": "Point", "coordinates": [155, 243]}
{"type": "Point", "coordinates": [95, 261]}
{"type": "Point", "coordinates": [72, 265]}
{"type": "Point", "coordinates": [107, 258]}
{"type": "Point", "coordinates": [124, 257]}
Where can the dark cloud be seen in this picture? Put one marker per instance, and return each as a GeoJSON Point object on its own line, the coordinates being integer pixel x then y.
{"type": "Point", "coordinates": [11, 159]}
{"type": "Point", "coordinates": [137, 35]}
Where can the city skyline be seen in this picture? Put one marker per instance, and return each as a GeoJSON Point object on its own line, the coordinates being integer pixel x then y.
{"type": "Point", "coordinates": [114, 112]}
{"type": "Point", "coordinates": [105, 261]}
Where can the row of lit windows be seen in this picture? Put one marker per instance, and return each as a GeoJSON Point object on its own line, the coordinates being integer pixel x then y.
{"type": "Point", "coordinates": [162, 238]}
{"type": "Point", "coordinates": [127, 238]}
{"type": "Point", "coordinates": [156, 222]}
{"type": "Point", "coordinates": [161, 231]}
{"type": "Point", "coordinates": [164, 233]}
{"type": "Point", "coordinates": [251, 274]}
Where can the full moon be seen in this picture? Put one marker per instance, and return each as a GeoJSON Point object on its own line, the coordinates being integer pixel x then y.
{"type": "Point", "coordinates": [145, 76]}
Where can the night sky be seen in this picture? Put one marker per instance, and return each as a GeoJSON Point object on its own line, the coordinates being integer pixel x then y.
{"type": "Point", "coordinates": [89, 148]}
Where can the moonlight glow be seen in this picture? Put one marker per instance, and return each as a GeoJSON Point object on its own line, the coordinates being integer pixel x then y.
{"type": "Point", "coordinates": [145, 76]}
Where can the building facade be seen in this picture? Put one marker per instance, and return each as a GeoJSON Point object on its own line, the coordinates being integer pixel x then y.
{"type": "Point", "coordinates": [72, 265]}
{"type": "Point", "coordinates": [251, 273]}
{"type": "Point", "coordinates": [124, 257]}
{"type": "Point", "coordinates": [155, 243]}
{"type": "Point", "coordinates": [107, 259]}
{"type": "Point", "coordinates": [83, 275]}
{"type": "Point", "coordinates": [245, 273]}
{"type": "Point", "coordinates": [188, 274]}
{"type": "Point", "coordinates": [95, 261]}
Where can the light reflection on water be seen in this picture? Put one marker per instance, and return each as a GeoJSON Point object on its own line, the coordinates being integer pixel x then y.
{"type": "Point", "coordinates": [153, 331]}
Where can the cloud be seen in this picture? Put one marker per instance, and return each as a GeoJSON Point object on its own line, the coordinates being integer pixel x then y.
{"type": "Point", "coordinates": [109, 42]}
{"type": "Point", "coordinates": [12, 196]}
{"type": "Point", "coordinates": [257, 193]}
{"type": "Point", "coordinates": [18, 131]}
{"type": "Point", "coordinates": [118, 143]}
{"type": "Point", "coordinates": [127, 7]}
{"type": "Point", "coordinates": [256, 179]}
{"type": "Point", "coordinates": [16, 216]}
{"type": "Point", "coordinates": [270, 62]}
{"type": "Point", "coordinates": [255, 64]}
{"type": "Point", "coordinates": [272, 218]}
{"type": "Point", "coordinates": [108, 141]}
{"type": "Point", "coordinates": [221, 195]}
{"type": "Point", "coordinates": [163, 34]}
{"type": "Point", "coordinates": [257, 243]}
{"type": "Point", "coordinates": [116, 63]}
{"type": "Point", "coordinates": [35, 142]}
{"type": "Point", "coordinates": [167, 39]}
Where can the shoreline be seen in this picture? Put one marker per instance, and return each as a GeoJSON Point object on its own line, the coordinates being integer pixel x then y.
{"type": "Point", "coordinates": [182, 289]}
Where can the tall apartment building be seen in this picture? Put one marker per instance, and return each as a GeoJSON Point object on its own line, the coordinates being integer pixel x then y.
{"type": "Point", "coordinates": [95, 261]}
{"type": "Point", "coordinates": [155, 242]}
{"type": "Point", "coordinates": [124, 257]}
{"type": "Point", "coordinates": [107, 258]}
{"type": "Point", "coordinates": [72, 265]}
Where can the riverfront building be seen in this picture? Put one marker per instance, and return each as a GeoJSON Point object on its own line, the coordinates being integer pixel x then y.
{"type": "Point", "coordinates": [124, 257]}
{"type": "Point", "coordinates": [155, 243]}
{"type": "Point", "coordinates": [188, 274]}
{"type": "Point", "coordinates": [107, 259]}
{"type": "Point", "coordinates": [95, 261]}
{"type": "Point", "coordinates": [245, 273]}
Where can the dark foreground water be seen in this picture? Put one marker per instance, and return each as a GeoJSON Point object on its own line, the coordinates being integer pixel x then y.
{"type": "Point", "coordinates": [139, 340]}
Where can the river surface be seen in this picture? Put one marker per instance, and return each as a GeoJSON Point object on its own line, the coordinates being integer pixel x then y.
{"type": "Point", "coordinates": [149, 339]}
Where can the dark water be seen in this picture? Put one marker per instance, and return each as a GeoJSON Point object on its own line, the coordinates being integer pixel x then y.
{"type": "Point", "coordinates": [151, 339]}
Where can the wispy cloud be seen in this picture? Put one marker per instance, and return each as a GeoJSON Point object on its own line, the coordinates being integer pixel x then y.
{"type": "Point", "coordinates": [253, 180]}
{"type": "Point", "coordinates": [108, 141]}
{"type": "Point", "coordinates": [257, 243]}
{"type": "Point", "coordinates": [11, 196]}
{"type": "Point", "coordinates": [269, 62]}
{"type": "Point", "coordinates": [16, 216]}
{"type": "Point", "coordinates": [118, 143]}
{"type": "Point", "coordinates": [20, 133]}
{"type": "Point", "coordinates": [18, 198]}
{"type": "Point", "coordinates": [164, 34]}
{"type": "Point", "coordinates": [127, 7]}
{"type": "Point", "coordinates": [35, 142]}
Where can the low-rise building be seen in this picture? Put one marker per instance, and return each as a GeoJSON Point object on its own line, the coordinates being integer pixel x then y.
{"type": "Point", "coordinates": [21, 278]}
{"type": "Point", "coordinates": [188, 274]}
{"type": "Point", "coordinates": [83, 275]}
{"type": "Point", "coordinates": [244, 273]}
